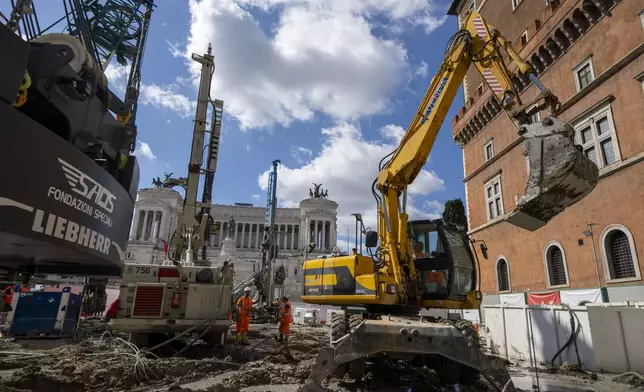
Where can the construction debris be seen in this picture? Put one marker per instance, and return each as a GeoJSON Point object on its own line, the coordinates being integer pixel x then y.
{"type": "Point", "coordinates": [99, 360]}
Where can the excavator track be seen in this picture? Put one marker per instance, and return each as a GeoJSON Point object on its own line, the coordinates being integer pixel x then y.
{"type": "Point", "coordinates": [455, 341]}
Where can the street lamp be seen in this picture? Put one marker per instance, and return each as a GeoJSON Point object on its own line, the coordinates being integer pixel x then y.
{"type": "Point", "coordinates": [589, 233]}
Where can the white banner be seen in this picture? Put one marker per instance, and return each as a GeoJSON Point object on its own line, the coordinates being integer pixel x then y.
{"type": "Point", "coordinates": [512, 299]}
{"type": "Point", "coordinates": [575, 297]}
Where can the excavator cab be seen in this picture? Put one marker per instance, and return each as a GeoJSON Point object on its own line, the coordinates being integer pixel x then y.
{"type": "Point", "coordinates": [445, 265]}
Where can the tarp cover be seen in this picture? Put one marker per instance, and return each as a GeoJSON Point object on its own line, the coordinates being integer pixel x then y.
{"type": "Point", "coordinates": [549, 298]}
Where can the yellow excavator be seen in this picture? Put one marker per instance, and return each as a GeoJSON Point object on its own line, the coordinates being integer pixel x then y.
{"type": "Point", "coordinates": [415, 265]}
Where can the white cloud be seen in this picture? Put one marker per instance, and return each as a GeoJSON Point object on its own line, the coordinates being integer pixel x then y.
{"type": "Point", "coordinates": [344, 245]}
{"type": "Point", "coordinates": [144, 150]}
{"type": "Point", "coordinates": [248, 147]}
{"type": "Point", "coordinates": [431, 209]}
{"type": "Point", "coordinates": [421, 70]}
{"type": "Point", "coordinates": [323, 56]}
{"type": "Point", "coordinates": [166, 98]}
{"type": "Point", "coordinates": [426, 183]}
{"type": "Point", "coordinates": [116, 75]}
{"type": "Point", "coordinates": [256, 196]}
{"type": "Point", "coordinates": [430, 23]}
{"type": "Point", "coordinates": [301, 154]}
{"type": "Point", "coordinates": [347, 166]}
{"type": "Point", "coordinates": [392, 133]}
{"type": "Point", "coordinates": [151, 94]}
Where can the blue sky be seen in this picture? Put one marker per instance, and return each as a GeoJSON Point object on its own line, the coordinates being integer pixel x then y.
{"type": "Point", "coordinates": [326, 87]}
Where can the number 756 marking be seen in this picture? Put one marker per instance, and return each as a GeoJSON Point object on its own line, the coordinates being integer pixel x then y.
{"type": "Point", "coordinates": [143, 270]}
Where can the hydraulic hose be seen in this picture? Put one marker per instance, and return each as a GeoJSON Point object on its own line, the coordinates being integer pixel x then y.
{"type": "Point", "coordinates": [575, 327]}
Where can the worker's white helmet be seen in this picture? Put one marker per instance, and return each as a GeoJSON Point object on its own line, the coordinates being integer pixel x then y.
{"type": "Point", "coordinates": [247, 290]}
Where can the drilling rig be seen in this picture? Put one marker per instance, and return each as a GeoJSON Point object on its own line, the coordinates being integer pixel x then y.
{"type": "Point", "coordinates": [187, 293]}
{"type": "Point", "coordinates": [266, 278]}
{"type": "Point", "coordinates": [192, 226]}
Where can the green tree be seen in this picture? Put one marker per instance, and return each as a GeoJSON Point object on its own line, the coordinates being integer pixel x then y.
{"type": "Point", "coordinates": [454, 212]}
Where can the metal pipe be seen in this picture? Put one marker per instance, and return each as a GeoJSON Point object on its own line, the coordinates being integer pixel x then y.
{"type": "Point", "coordinates": [533, 351]}
{"type": "Point", "coordinates": [356, 233]}
{"type": "Point", "coordinates": [384, 210]}
{"type": "Point", "coordinates": [404, 201]}
{"type": "Point", "coordinates": [189, 250]}
{"type": "Point", "coordinates": [537, 82]}
{"type": "Point", "coordinates": [592, 242]}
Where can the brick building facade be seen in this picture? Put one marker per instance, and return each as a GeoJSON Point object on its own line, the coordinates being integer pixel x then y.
{"type": "Point", "coordinates": [590, 54]}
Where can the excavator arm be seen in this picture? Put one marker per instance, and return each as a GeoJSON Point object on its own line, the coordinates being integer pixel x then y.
{"type": "Point", "coordinates": [560, 175]}
{"type": "Point", "coordinates": [549, 190]}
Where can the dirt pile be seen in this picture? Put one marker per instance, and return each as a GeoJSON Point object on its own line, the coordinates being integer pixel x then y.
{"type": "Point", "coordinates": [573, 370]}
{"type": "Point", "coordinates": [104, 362]}
{"type": "Point", "coordinates": [632, 379]}
{"type": "Point", "coordinates": [99, 363]}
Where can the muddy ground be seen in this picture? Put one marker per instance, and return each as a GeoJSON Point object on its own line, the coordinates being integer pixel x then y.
{"type": "Point", "coordinates": [99, 361]}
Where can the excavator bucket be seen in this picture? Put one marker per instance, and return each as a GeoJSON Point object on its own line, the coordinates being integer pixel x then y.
{"type": "Point", "coordinates": [393, 336]}
{"type": "Point", "coordinates": [560, 173]}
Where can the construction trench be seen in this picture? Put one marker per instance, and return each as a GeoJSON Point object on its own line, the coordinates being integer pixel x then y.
{"type": "Point", "coordinates": [99, 360]}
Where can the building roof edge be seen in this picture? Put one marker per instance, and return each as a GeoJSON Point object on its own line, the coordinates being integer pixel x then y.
{"type": "Point", "coordinates": [452, 8]}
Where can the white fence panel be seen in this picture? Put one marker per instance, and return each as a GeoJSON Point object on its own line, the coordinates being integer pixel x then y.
{"type": "Point", "coordinates": [618, 335]}
{"type": "Point", "coordinates": [519, 332]}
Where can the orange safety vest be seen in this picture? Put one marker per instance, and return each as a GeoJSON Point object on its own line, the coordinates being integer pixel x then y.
{"type": "Point", "coordinates": [244, 306]}
{"type": "Point", "coordinates": [285, 312]}
{"type": "Point", "coordinates": [8, 294]}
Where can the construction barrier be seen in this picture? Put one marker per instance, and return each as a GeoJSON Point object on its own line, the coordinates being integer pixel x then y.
{"type": "Point", "coordinates": [607, 337]}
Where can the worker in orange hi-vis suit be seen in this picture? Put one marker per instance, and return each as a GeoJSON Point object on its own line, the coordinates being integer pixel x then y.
{"type": "Point", "coordinates": [285, 320]}
{"type": "Point", "coordinates": [244, 309]}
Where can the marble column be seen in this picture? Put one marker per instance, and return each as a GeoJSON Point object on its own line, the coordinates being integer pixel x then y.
{"type": "Point", "coordinates": [140, 224]}
{"type": "Point", "coordinates": [146, 230]}
{"type": "Point", "coordinates": [254, 244]}
{"type": "Point", "coordinates": [304, 232]}
{"type": "Point", "coordinates": [135, 224]}
{"type": "Point", "coordinates": [317, 233]}
{"type": "Point", "coordinates": [283, 236]}
{"type": "Point", "coordinates": [324, 235]}
{"type": "Point", "coordinates": [243, 235]}
{"type": "Point", "coordinates": [153, 227]}
{"type": "Point", "coordinates": [163, 226]}
{"type": "Point", "coordinates": [157, 224]}
{"type": "Point", "coordinates": [257, 239]}
{"type": "Point", "coordinates": [293, 237]}
{"type": "Point", "coordinates": [221, 234]}
{"type": "Point", "coordinates": [334, 235]}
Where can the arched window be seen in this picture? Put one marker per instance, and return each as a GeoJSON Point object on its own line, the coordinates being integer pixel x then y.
{"type": "Point", "coordinates": [556, 268]}
{"type": "Point", "coordinates": [502, 274]}
{"type": "Point", "coordinates": [618, 254]}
